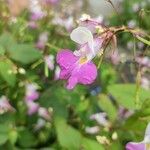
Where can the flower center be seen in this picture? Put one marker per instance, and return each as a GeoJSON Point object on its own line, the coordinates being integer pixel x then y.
{"type": "Point", "coordinates": [82, 60]}
{"type": "Point", "coordinates": [148, 146]}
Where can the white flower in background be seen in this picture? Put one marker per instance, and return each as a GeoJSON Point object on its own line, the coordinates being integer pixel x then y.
{"type": "Point", "coordinates": [100, 118]}
{"type": "Point", "coordinates": [5, 105]}
{"type": "Point", "coordinates": [131, 23]}
{"type": "Point", "coordinates": [40, 124]}
{"type": "Point", "coordinates": [49, 60]}
{"type": "Point", "coordinates": [136, 7]}
{"type": "Point", "coordinates": [57, 73]}
{"type": "Point", "coordinates": [145, 83]}
{"type": "Point", "coordinates": [92, 130]}
{"type": "Point", "coordinates": [44, 113]}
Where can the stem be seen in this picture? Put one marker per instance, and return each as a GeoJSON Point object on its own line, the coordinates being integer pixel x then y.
{"type": "Point", "coordinates": [53, 46]}
{"type": "Point", "coordinates": [137, 98]}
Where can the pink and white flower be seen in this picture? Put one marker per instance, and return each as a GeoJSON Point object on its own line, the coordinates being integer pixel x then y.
{"type": "Point", "coordinates": [5, 105]}
{"type": "Point", "coordinates": [75, 69]}
{"type": "Point", "coordinates": [31, 92]}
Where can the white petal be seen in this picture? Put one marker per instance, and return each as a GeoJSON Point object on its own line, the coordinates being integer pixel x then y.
{"type": "Point", "coordinates": [82, 35]}
{"type": "Point", "coordinates": [147, 134]}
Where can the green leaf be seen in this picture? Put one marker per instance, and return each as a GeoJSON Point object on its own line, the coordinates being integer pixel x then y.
{"type": "Point", "coordinates": [26, 139]}
{"type": "Point", "coordinates": [3, 139]}
{"type": "Point", "coordinates": [106, 105]}
{"type": "Point", "coordinates": [7, 71]}
{"type": "Point", "coordinates": [143, 40]}
{"type": "Point", "coordinates": [13, 135]}
{"type": "Point", "coordinates": [88, 144]}
{"type": "Point", "coordinates": [24, 53]}
{"type": "Point", "coordinates": [2, 50]}
{"type": "Point", "coordinates": [68, 137]}
{"type": "Point", "coordinates": [6, 40]}
{"type": "Point", "coordinates": [3, 133]}
{"type": "Point", "coordinates": [125, 94]}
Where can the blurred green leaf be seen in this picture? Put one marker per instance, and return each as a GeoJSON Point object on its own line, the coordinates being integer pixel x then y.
{"type": "Point", "coordinates": [68, 137]}
{"type": "Point", "coordinates": [125, 94]}
{"type": "Point", "coordinates": [2, 50]}
{"type": "Point", "coordinates": [26, 139]}
{"type": "Point", "coordinates": [24, 53]}
{"type": "Point", "coordinates": [3, 133]}
{"type": "Point", "coordinates": [106, 105]}
{"type": "Point", "coordinates": [88, 144]}
{"type": "Point", "coordinates": [6, 40]}
{"type": "Point", "coordinates": [13, 135]}
{"type": "Point", "coordinates": [7, 71]}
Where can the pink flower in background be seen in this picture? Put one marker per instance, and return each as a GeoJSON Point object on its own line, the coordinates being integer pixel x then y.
{"type": "Point", "coordinates": [75, 69]}
{"type": "Point", "coordinates": [53, 2]}
{"type": "Point", "coordinates": [49, 60]}
{"type": "Point", "coordinates": [36, 10]}
{"type": "Point", "coordinates": [32, 107]}
{"type": "Point", "coordinates": [124, 113]}
{"type": "Point", "coordinates": [44, 113]}
{"type": "Point", "coordinates": [115, 57]}
{"type": "Point", "coordinates": [37, 16]}
{"type": "Point", "coordinates": [144, 145]}
{"type": "Point", "coordinates": [5, 105]}
{"type": "Point", "coordinates": [31, 92]}
{"type": "Point", "coordinates": [43, 38]}
{"type": "Point", "coordinates": [32, 25]}
{"type": "Point", "coordinates": [144, 61]}
{"type": "Point", "coordinates": [66, 22]}
{"type": "Point", "coordinates": [91, 24]}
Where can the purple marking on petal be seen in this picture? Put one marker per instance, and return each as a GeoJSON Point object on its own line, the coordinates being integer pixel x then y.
{"type": "Point", "coordinates": [135, 146]}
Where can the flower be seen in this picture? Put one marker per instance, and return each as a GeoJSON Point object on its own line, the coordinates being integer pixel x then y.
{"type": "Point", "coordinates": [53, 2]}
{"type": "Point", "coordinates": [44, 113]}
{"type": "Point", "coordinates": [31, 92]}
{"type": "Point", "coordinates": [144, 145]}
{"type": "Point", "coordinates": [92, 130]}
{"type": "Point", "coordinates": [49, 60]}
{"type": "Point", "coordinates": [100, 118]}
{"type": "Point", "coordinates": [43, 38]}
{"type": "Point", "coordinates": [5, 105]}
{"type": "Point", "coordinates": [32, 107]}
{"type": "Point", "coordinates": [36, 10]}
{"type": "Point", "coordinates": [75, 69]}
{"type": "Point", "coordinates": [89, 46]}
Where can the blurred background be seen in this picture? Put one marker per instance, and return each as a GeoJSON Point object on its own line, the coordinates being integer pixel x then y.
{"type": "Point", "coordinates": [37, 112]}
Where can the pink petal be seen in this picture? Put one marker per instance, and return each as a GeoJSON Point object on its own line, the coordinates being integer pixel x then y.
{"type": "Point", "coordinates": [135, 146]}
{"type": "Point", "coordinates": [87, 73]}
{"type": "Point", "coordinates": [66, 60]}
